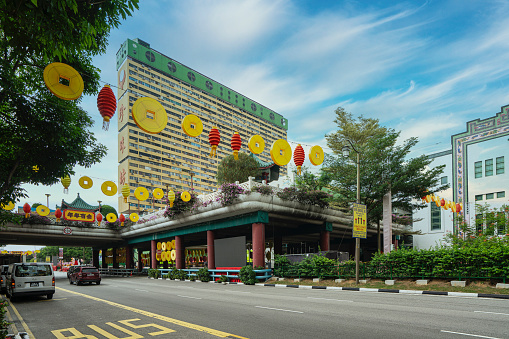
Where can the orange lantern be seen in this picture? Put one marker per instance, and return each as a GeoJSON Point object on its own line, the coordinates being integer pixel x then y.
{"type": "Point", "coordinates": [236, 143]}
{"type": "Point", "coordinates": [214, 139]}
{"type": "Point", "coordinates": [298, 157]}
{"type": "Point", "coordinates": [122, 219]}
{"type": "Point", "coordinates": [458, 208]}
{"type": "Point", "coordinates": [99, 217]}
{"type": "Point", "coordinates": [58, 214]}
{"type": "Point", "coordinates": [27, 209]}
{"type": "Point", "coordinates": [107, 104]}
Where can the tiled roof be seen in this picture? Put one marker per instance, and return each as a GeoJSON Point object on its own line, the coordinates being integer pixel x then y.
{"type": "Point", "coordinates": [80, 204]}
{"type": "Point", "coordinates": [261, 164]}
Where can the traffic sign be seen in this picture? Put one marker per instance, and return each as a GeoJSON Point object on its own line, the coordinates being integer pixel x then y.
{"type": "Point", "coordinates": [359, 221]}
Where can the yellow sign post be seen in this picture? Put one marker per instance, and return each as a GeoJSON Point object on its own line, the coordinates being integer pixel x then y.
{"type": "Point", "coordinates": [359, 221]}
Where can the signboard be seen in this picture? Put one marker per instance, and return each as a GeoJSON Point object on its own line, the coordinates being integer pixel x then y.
{"type": "Point", "coordinates": [74, 215]}
{"type": "Point", "coordinates": [359, 221]}
{"type": "Point", "coordinates": [60, 253]}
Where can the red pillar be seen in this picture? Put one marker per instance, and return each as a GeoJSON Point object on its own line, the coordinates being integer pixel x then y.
{"type": "Point", "coordinates": [153, 251]}
{"type": "Point", "coordinates": [258, 232]}
{"type": "Point", "coordinates": [211, 259]}
{"type": "Point", "coordinates": [179, 249]}
{"type": "Point", "coordinates": [324, 240]}
{"type": "Point", "coordinates": [128, 256]}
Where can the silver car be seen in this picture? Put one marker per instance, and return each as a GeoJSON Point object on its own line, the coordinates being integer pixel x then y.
{"type": "Point", "coordinates": [27, 279]}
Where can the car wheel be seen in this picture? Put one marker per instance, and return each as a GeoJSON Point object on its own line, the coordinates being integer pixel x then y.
{"type": "Point", "coordinates": [70, 281]}
{"type": "Point", "coordinates": [50, 296]}
{"type": "Point", "coordinates": [98, 283]}
{"type": "Point", "coordinates": [78, 283]}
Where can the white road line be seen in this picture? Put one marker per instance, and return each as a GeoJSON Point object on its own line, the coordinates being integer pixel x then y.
{"type": "Point", "coordinates": [185, 296]}
{"type": "Point", "coordinates": [278, 309]}
{"type": "Point", "coordinates": [491, 312]}
{"type": "Point", "coordinates": [349, 301]}
{"type": "Point", "coordinates": [470, 335]}
{"type": "Point", "coordinates": [137, 289]}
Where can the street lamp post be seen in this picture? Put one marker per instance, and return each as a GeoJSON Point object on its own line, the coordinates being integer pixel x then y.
{"type": "Point", "coordinates": [346, 153]}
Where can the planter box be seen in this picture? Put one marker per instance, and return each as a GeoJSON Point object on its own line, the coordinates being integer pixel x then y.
{"type": "Point", "coordinates": [459, 283]}
{"type": "Point", "coordinates": [390, 282]}
{"type": "Point", "coordinates": [422, 282]}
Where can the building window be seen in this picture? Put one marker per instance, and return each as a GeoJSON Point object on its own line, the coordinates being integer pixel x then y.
{"type": "Point", "coordinates": [500, 165]}
{"type": "Point", "coordinates": [478, 197]}
{"type": "Point", "coordinates": [488, 167]}
{"type": "Point", "coordinates": [478, 169]}
{"type": "Point", "coordinates": [501, 194]}
{"type": "Point", "coordinates": [443, 180]}
{"type": "Point", "coordinates": [490, 196]}
{"type": "Point", "coordinates": [435, 217]}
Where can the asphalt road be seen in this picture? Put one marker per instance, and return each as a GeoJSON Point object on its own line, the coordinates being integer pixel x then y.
{"type": "Point", "coordinates": [137, 307]}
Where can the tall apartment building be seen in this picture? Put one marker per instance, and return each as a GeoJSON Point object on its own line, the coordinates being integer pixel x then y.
{"type": "Point", "coordinates": [171, 159]}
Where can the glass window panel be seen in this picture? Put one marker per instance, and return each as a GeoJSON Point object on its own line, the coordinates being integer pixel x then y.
{"type": "Point", "coordinates": [490, 196]}
{"type": "Point", "coordinates": [478, 169]}
{"type": "Point", "coordinates": [488, 170]}
{"type": "Point", "coordinates": [443, 180]}
{"type": "Point", "coordinates": [478, 197]}
{"type": "Point", "coordinates": [435, 217]}
{"type": "Point", "coordinates": [500, 165]}
{"type": "Point", "coordinates": [501, 194]}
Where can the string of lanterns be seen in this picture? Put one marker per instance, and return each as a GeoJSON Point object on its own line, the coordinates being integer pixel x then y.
{"type": "Point", "coordinates": [445, 204]}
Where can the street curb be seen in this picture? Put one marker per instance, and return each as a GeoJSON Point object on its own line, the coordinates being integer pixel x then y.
{"type": "Point", "coordinates": [387, 290]}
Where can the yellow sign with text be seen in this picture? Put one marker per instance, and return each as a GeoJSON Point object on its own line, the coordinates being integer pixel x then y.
{"type": "Point", "coordinates": [73, 215]}
{"type": "Point", "coordinates": [359, 221]}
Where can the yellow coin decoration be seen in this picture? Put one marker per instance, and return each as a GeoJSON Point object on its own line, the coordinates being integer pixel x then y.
{"type": "Point", "coordinates": [9, 206]}
{"type": "Point", "coordinates": [158, 257]}
{"type": "Point", "coordinates": [316, 155]}
{"type": "Point", "coordinates": [281, 152]}
{"type": "Point", "coordinates": [149, 115]}
{"type": "Point", "coordinates": [169, 246]}
{"type": "Point", "coordinates": [134, 217]}
{"type": "Point", "coordinates": [163, 256]}
{"type": "Point", "coordinates": [158, 193]}
{"type": "Point", "coordinates": [163, 246]}
{"type": "Point", "coordinates": [192, 125]}
{"type": "Point", "coordinates": [141, 193]}
{"type": "Point", "coordinates": [85, 182]}
{"type": "Point", "coordinates": [168, 255]}
{"type": "Point", "coordinates": [42, 210]}
{"type": "Point", "coordinates": [173, 255]}
{"type": "Point", "coordinates": [185, 196]}
{"type": "Point", "coordinates": [256, 144]}
{"type": "Point", "coordinates": [109, 188]}
{"type": "Point", "coordinates": [111, 217]}
{"type": "Point", "coordinates": [63, 81]}
{"type": "Point", "coordinates": [159, 245]}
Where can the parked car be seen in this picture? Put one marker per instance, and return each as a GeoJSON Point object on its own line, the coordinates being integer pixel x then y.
{"type": "Point", "coordinates": [27, 279]}
{"type": "Point", "coordinates": [70, 270]}
{"type": "Point", "coordinates": [3, 277]}
{"type": "Point", "coordinates": [83, 274]}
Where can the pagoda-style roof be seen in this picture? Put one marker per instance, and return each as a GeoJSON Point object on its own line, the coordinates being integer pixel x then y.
{"type": "Point", "coordinates": [262, 164]}
{"type": "Point", "coordinates": [79, 204]}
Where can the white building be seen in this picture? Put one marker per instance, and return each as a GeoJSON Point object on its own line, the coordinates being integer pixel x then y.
{"type": "Point", "coordinates": [475, 170]}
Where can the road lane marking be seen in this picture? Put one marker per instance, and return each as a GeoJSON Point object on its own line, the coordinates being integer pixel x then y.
{"type": "Point", "coordinates": [491, 312]}
{"type": "Point", "coordinates": [348, 301]}
{"type": "Point", "coordinates": [470, 335]}
{"type": "Point", "coordinates": [211, 331]}
{"type": "Point", "coordinates": [278, 309]}
{"type": "Point", "coordinates": [27, 330]}
{"type": "Point", "coordinates": [186, 296]}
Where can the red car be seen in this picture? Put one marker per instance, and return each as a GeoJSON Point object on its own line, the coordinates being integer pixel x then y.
{"type": "Point", "coordinates": [85, 274]}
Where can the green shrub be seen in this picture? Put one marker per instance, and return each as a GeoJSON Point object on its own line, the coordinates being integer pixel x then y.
{"type": "Point", "coordinates": [203, 274]}
{"type": "Point", "coordinates": [247, 275]}
{"type": "Point", "coordinates": [263, 190]}
{"type": "Point", "coordinates": [3, 322]}
{"type": "Point", "coordinates": [222, 279]}
{"type": "Point", "coordinates": [154, 273]}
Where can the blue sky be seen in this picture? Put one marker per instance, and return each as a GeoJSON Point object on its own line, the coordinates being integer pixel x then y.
{"type": "Point", "coordinates": [424, 68]}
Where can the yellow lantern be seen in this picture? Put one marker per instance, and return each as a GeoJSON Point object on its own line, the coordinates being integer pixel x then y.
{"type": "Point", "coordinates": [171, 197]}
{"type": "Point", "coordinates": [66, 182]}
{"type": "Point", "coordinates": [125, 192]}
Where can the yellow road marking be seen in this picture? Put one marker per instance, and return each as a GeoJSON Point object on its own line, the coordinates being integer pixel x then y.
{"type": "Point", "coordinates": [217, 333]}
{"type": "Point", "coordinates": [27, 330]}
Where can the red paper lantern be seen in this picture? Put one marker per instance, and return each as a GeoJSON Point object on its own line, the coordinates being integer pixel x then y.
{"type": "Point", "coordinates": [27, 209]}
{"type": "Point", "coordinates": [107, 104]}
{"type": "Point", "coordinates": [442, 202]}
{"type": "Point", "coordinates": [99, 218]}
{"type": "Point", "coordinates": [214, 139]}
{"type": "Point", "coordinates": [122, 219]}
{"type": "Point", "coordinates": [298, 157]}
{"type": "Point", "coordinates": [458, 208]}
{"type": "Point", "coordinates": [236, 143]}
{"type": "Point", "coordinates": [58, 214]}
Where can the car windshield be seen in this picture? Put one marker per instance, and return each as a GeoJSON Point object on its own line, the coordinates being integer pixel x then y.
{"type": "Point", "coordinates": [89, 270]}
{"type": "Point", "coordinates": [32, 270]}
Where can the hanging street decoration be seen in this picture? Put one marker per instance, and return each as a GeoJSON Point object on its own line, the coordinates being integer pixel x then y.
{"type": "Point", "coordinates": [141, 193]}
{"type": "Point", "coordinates": [185, 196]}
{"type": "Point", "coordinates": [122, 219]}
{"type": "Point", "coordinates": [125, 191]}
{"type": "Point", "coordinates": [58, 214]}
{"type": "Point", "coordinates": [99, 217]}
{"type": "Point", "coordinates": [134, 217]}
{"type": "Point", "coordinates": [66, 182]}
{"type": "Point", "coordinates": [42, 210]}
{"type": "Point", "coordinates": [63, 81]}
{"type": "Point", "coordinates": [298, 157]}
{"type": "Point", "coordinates": [214, 139]}
{"type": "Point", "coordinates": [171, 197]}
{"type": "Point", "coordinates": [281, 152]}
{"type": "Point", "coordinates": [192, 125]}
{"type": "Point", "coordinates": [149, 115]}
{"type": "Point", "coordinates": [107, 105]}
{"type": "Point", "coordinates": [256, 144]}
{"type": "Point", "coordinates": [9, 206]}
{"type": "Point", "coordinates": [316, 155]}
{"type": "Point", "coordinates": [441, 202]}
{"type": "Point", "coordinates": [236, 144]}
{"type": "Point", "coordinates": [111, 217]}
{"type": "Point", "coordinates": [85, 182]}
{"type": "Point", "coordinates": [109, 188]}
{"type": "Point", "coordinates": [27, 209]}
{"type": "Point", "coordinates": [158, 193]}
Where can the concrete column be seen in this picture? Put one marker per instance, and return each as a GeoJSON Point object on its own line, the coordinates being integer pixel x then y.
{"type": "Point", "coordinates": [211, 259]}
{"type": "Point", "coordinates": [278, 243]}
{"type": "Point", "coordinates": [140, 262]}
{"type": "Point", "coordinates": [128, 256]}
{"type": "Point", "coordinates": [180, 261]}
{"type": "Point", "coordinates": [95, 257]}
{"type": "Point", "coordinates": [115, 258]}
{"type": "Point", "coordinates": [104, 264]}
{"type": "Point", "coordinates": [258, 235]}
{"type": "Point", "coordinates": [324, 240]}
{"type": "Point", "coordinates": [153, 251]}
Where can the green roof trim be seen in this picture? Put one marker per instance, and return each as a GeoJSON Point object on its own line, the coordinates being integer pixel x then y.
{"type": "Point", "coordinates": [262, 164]}
{"type": "Point", "coordinates": [141, 51]}
{"type": "Point", "coordinates": [79, 204]}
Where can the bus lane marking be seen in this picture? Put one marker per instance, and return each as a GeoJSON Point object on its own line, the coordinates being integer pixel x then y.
{"type": "Point", "coordinates": [186, 324]}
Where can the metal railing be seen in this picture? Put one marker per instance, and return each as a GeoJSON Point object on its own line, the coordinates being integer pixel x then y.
{"type": "Point", "coordinates": [231, 274]}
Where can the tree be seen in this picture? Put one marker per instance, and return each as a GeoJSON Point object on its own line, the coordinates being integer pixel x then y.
{"type": "Point", "coordinates": [37, 128]}
{"type": "Point", "coordinates": [231, 170]}
{"type": "Point", "coordinates": [383, 166]}
{"type": "Point", "coordinates": [312, 182]}
{"type": "Point", "coordinates": [106, 209]}
{"type": "Point", "coordinates": [69, 252]}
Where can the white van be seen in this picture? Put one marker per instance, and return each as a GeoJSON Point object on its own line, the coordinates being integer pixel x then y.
{"type": "Point", "coordinates": [24, 279]}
